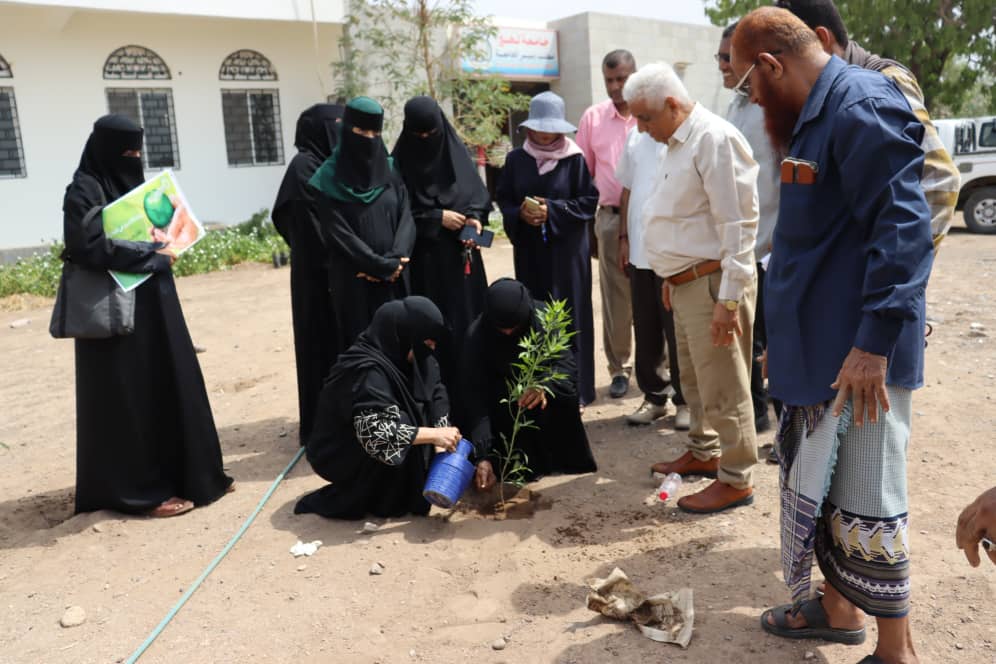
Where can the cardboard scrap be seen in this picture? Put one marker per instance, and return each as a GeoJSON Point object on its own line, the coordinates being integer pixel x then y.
{"type": "Point", "coordinates": [665, 617]}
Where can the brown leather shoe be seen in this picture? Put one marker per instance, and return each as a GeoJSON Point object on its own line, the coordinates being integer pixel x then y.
{"type": "Point", "coordinates": [687, 464]}
{"type": "Point", "coordinates": [716, 497]}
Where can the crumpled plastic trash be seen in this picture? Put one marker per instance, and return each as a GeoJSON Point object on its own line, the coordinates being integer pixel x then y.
{"type": "Point", "coordinates": [305, 548]}
{"type": "Point", "coordinates": [666, 617]}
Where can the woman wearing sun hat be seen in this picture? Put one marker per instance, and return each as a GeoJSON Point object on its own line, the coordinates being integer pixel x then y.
{"type": "Point", "coordinates": [547, 198]}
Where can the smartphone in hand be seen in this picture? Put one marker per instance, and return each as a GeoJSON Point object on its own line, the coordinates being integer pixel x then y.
{"type": "Point", "coordinates": [470, 233]}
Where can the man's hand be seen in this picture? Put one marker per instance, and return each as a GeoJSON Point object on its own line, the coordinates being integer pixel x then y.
{"type": "Point", "coordinates": [623, 253]}
{"type": "Point", "coordinates": [533, 397]}
{"type": "Point", "coordinates": [978, 520]}
{"type": "Point", "coordinates": [762, 359]}
{"type": "Point", "coordinates": [862, 378]}
{"type": "Point", "coordinates": [453, 221]}
{"type": "Point", "coordinates": [725, 325]}
{"type": "Point", "coordinates": [485, 477]}
{"type": "Point", "coordinates": [666, 295]}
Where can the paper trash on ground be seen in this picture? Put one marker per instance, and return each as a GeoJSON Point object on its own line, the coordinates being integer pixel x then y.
{"type": "Point", "coordinates": [155, 211]}
{"type": "Point", "coordinates": [305, 548]}
{"type": "Point", "coordinates": [666, 617]}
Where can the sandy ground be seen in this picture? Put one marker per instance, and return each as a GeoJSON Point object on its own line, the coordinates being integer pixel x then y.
{"type": "Point", "coordinates": [452, 583]}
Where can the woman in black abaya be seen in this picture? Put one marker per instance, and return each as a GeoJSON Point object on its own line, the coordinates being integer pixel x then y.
{"type": "Point", "coordinates": [446, 194]}
{"type": "Point", "coordinates": [380, 413]}
{"type": "Point", "coordinates": [364, 221]}
{"type": "Point", "coordinates": [296, 218]}
{"type": "Point", "coordinates": [550, 240]}
{"type": "Point", "coordinates": [559, 443]}
{"type": "Point", "coordinates": [145, 438]}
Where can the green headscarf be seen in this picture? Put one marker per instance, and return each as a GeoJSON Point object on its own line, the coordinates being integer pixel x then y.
{"type": "Point", "coordinates": [359, 168]}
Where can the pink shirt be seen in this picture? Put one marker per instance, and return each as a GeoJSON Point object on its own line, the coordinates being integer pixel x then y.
{"type": "Point", "coordinates": [602, 138]}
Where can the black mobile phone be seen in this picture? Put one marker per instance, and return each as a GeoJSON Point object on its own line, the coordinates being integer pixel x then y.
{"type": "Point", "coordinates": [483, 240]}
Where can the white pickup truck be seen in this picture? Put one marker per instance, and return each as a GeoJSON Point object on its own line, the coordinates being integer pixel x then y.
{"type": "Point", "coordinates": [972, 144]}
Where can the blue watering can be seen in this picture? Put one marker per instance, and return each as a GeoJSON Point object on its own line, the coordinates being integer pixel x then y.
{"type": "Point", "coordinates": [449, 476]}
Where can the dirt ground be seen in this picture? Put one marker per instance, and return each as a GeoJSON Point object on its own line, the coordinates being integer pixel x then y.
{"type": "Point", "coordinates": [452, 583]}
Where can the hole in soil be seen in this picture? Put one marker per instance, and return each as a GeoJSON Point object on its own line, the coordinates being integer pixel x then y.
{"type": "Point", "coordinates": [520, 503]}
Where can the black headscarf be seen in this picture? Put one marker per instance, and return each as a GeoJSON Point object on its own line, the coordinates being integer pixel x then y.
{"type": "Point", "coordinates": [437, 169]}
{"type": "Point", "coordinates": [397, 327]}
{"type": "Point", "coordinates": [103, 157]}
{"type": "Point", "coordinates": [509, 305]}
{"type": "Point", "coordinates": [315, 138]}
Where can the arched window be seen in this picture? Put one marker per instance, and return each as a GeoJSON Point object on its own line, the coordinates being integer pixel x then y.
{"type": "Point", "coordinates": [253, 132]}
{"type": "Point", "coordinates": [247, 65]}
{"type": "Point", "coordinates": [152, 108]}
{"type": "Point", "coordinates": [11, 148]}
{"type": "Point", "coordinates": [135, 63]}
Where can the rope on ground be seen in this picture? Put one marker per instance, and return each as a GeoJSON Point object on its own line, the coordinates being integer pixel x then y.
{"type": "Point", "coordinates": [214, 563]}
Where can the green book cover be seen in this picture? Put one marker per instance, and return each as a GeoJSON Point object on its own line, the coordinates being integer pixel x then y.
{"type": "Point", "coordinates": [155, 211]}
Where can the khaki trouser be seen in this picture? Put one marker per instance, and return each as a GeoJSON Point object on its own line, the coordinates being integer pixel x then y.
{"type": "Point", "coordinates": [617, 307]}
{"type": "Point", "coordinates": [715, 380]}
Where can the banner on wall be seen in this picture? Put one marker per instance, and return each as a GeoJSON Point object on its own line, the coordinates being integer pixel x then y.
{"type": "Point", "coordinates": [518, 53]}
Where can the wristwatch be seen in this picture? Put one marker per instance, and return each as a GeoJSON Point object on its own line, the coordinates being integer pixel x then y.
{"type": "Point", "coordinates": [731, 305]}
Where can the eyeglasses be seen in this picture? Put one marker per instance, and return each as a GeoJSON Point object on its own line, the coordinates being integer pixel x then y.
{"type": "Point", "coordinates": [743, 85]}
{"type": "Point", "coordinates": [722, 57]}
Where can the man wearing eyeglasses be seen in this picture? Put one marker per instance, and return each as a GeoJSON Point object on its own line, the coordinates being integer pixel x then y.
{"type": "Point", "coordinates": [749, 119]}
{"type": "Point", "coordinates": [700, 220]}
{"type": "Point", "coordinates": [846, 283]}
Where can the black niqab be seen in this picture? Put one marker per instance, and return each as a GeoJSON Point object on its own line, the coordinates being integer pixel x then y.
{"type": "Point", "coordinates": [397, 327]}
{"type": "Point", "coordinates": [437, 169]}
{"type": "Point", "coordinates": [363, 163]}
{"type": "Point", "coordinates": [103, 157]}
{"type": "Point", "coordinates": [315, 138]}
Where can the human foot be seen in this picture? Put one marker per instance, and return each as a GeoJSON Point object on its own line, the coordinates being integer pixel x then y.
{"type": "Point", "coordinates": [172, 507]}
{"type": "Point", "coordinates": [816, 619]}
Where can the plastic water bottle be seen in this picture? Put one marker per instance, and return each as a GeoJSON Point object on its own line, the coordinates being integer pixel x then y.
{"type": "Point", "coordinates": [669, 487]}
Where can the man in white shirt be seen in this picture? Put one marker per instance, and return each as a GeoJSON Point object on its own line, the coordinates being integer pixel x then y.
{"type": "Point", "coordinates": [749, 119]}
{"type": "Point", "coordinates": [652, 323]}
{"type": "Point", "coordinates": [701, 222]}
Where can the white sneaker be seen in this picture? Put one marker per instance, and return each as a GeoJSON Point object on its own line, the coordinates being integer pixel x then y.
{"type": "Point", "coordinates": [647, 413]}
{"type": "Point", "coordinates": [682, 419]}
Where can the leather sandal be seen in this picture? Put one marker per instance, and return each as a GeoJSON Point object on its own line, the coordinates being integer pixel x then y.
{"type": "Point", "coordinates": [172, 507]}
{"type": "Point", "coordinates": [817, 625]}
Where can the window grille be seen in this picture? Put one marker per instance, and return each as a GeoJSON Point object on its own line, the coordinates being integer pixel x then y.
{"type": "Point", "coordinates": [11, 148]}
{"type": "Point", "coordinates": [247, 65]}
{"type": "Point", "coordinates": [135, 63]}
{"type": "Point", "coordinates": [152, 108]}
{"type": "Point", "coordinates": [253, 134]}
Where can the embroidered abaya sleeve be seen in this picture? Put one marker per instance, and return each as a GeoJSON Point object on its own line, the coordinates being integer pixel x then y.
{"type": "Point", "coordinates": [383, 431]}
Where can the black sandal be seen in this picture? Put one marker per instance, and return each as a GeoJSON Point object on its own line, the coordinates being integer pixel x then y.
{"type": "Point", "coordinates": [817, 625]}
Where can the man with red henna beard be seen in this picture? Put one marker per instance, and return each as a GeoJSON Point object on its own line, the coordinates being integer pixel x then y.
{"type": "Point", "coordinates": [851, 256]}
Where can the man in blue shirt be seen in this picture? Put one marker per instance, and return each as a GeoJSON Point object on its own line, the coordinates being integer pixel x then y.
{"type": "Point", "coordinates": [851, 256]}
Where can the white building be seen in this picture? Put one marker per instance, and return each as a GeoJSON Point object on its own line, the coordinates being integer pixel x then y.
{"type": "Point", "coordinates": [218, 86]}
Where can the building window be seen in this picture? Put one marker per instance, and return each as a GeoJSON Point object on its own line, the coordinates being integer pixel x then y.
{"type": "Point", "coordinates": [246, 65]}
{"type": "Point", "coordinates": [152, 108]}
{"type": "Point", "coordinates": [11, 150]}
{"type": "Point", "coordinates": [252, 127]}
{"type": "Point", "coordinates": [135, 63]}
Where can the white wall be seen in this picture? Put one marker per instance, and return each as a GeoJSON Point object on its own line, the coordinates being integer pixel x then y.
{"type": "Point", "coordinates": [325, 11]}
{"type": "Point", "coordinates": [581, 81]}
{"type": "Point", "coordinates": [57, 57]}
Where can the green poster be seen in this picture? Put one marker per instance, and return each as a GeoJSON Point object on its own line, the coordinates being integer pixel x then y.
{"type": "Point", "coordinates": [156, 211]}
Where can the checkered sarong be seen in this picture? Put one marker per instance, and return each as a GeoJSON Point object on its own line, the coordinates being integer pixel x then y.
{"type": "Point", "coordinates": [843, 499]}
